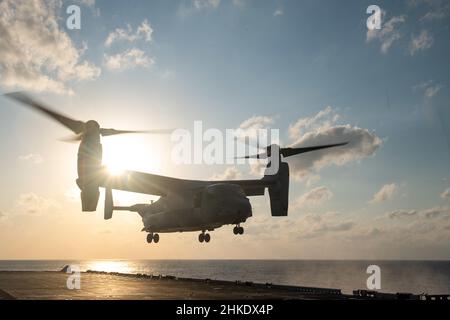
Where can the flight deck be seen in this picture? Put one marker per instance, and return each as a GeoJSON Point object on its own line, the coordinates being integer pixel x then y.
{"type": "Point", "coordinates": [43, 285]}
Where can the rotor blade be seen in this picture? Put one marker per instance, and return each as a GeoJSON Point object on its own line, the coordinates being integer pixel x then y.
{"type": "Point", "coordinates": [254, 156]}
{"type": "Point", "coordinates": [110, 132]}
{"type": "Point", "coordinates": [287, 152]}
{"type": "Point", "coordinates": [75, 125]}
{"type": "Point", "coordinates": [72, 138]}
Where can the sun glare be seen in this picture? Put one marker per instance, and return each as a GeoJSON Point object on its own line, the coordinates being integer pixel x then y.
{"type": "Point", "coordinates": [116, 169]}
{"type": "Point", "coordinates": [109, 266]}
{"type": "Point", "coordinates": [130, 153]}
{"type": "Point", "coordinates": [136, 153]}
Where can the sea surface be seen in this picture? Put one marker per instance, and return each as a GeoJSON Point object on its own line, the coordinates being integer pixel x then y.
{"type": "Point", "coordinates": [431, 277]}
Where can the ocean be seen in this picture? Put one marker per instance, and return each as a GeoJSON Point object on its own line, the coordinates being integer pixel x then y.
{"type": "Point", "coordinates": [431, 277]}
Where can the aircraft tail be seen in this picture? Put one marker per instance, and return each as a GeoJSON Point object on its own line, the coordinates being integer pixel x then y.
{"type": "Point", "coordinates": [110, 207]}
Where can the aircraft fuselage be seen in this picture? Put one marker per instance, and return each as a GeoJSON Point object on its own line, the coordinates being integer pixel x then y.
{"type": "Point", "coordinates": [212, 208]}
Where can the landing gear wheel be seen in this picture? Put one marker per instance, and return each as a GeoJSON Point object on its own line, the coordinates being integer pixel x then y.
{"type": "Point", "coordinates": [156, 238]}
{"type": "Point", "coordinates": [201, 237]}
{"type": "Point", "coordinates": [207, 237]}
{"type": "Point", "coordinates": [149, 238]}
{"type": "Point", "coordinates": [238, 230]}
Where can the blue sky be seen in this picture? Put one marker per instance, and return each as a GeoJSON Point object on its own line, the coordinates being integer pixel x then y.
{"type": "Point", "coordinates": [224, 62]}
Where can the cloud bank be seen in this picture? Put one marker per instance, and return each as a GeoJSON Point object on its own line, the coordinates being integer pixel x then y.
{"type": "Point", "coordinates": [35, 54]}
{"type": "Point", "coordinates": [323, 128]}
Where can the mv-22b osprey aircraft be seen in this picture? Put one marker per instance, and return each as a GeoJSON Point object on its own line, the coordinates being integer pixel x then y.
{"type": "Point", "coordinates": [184, 205]}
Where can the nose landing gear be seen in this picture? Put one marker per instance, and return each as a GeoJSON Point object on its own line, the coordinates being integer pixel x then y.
{"type": "Point", "coordinates": [204, 237]}
{"type": "Point", "coordinates": [238, 230]}
{"type": "Point", "coordinates": [153, 237]}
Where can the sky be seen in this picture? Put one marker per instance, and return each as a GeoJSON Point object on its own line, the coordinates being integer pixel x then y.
{"type": "Point", "coordinates": [311, 69]}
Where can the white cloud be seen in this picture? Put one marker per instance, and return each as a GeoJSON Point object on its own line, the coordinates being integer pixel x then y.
{"type": "Point", "coordinates": [230, 173]}
{"type": "Point", "coordinates": [319, 129]}
{"type": "Point", "coordinates": [203, 4]}
{"type": "Point", "coordinates": [385, 193]}
{"type": "Point", "coordinates": [436, 9]}
{"type": "Point", "coordinates": [89, 3]}
{"type": "Point", "coordinates": [342, 226]}
{"type": "Point", "coordinates": [436, 212]}
{"type": "Point", "coordinates": [128, 59]}
{"type": "Point", "coordinates": [313, 198]}
{"type": "Point", "coordinates": [434, 15]}
{"type": "Point", "coordinates": [312, 179]}
{"type": "Point", "coordinates": [432, 91]}
{"type": "Point", "coordinates": [278, 12]}
{"type": "Point", "coordinates": [324, 119]}
{"type": "Point", "coordinates": [421, 42]}
{"type": "Point", "coordinates": [367, 233]}
{"type": "Point", "coordinates": [35, 54]}
{"type": "Point", "coordinates": [401, 213]}
{"type": "Point", "coordinates": [311, 226]}
{"type": "Point", "coordinates": [249, 128]}
{"type": "Point", "coordinates": [33, 157]}
{"type": "Point", "coordinates": [388, 34]}
{"type": "Point", "coordinates": [187, 8]}
{"type": "Point", "coordinates": [429, 88]}
{"type": "Point", "coordinates": [31, 203]}
{"type": "Point", "coordinates": [425, 214]}
{"type": "Point", "coordinates": [143, 32]}
{"type": "Point", "coordinates": [445, 194]}
{"type": "Point", "coordinates": [256, 122]}
{"type": "Point", "coordinates": [356, 235]}
{"type": "Point", "coordinates": [323, 129]}
{"type": "Point", "coordinates": [257, 168]}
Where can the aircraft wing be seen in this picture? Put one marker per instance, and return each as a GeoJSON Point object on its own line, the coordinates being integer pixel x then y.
{"type": "Point", "coordinates": [158, 185]}
{"type": "Point", "coordinates": [250, 187]}
{"type": "Point", "coordinates": [145, 183]}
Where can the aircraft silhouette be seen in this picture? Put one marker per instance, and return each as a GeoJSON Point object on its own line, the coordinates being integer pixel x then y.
{"type": "Point", "coordinates": [184, 205]}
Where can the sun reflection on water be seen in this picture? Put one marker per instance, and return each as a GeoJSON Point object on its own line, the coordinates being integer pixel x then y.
{"type": "Point", "coordinates": [110, 266]}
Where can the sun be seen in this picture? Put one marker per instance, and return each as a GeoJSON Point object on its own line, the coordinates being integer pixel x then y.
{"type": "Point", "coordinates": [115, 169]}
{"type": "Point", "coordinates": [134, 153]}
{"type": "Point", "coordinates": [123, 153]}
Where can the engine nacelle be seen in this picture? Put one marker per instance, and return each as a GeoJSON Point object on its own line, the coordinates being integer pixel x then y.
{"type": "Point", "coordinates": [89, 199]}
{"type": "Point", "coordinates": [279, 193]}
{"type": "Point", "coordinates": [89, 171]}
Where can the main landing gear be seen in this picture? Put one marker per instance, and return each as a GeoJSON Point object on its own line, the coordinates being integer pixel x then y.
{"type": "Point", "coordinates": [238, 230]}
{"type": "Point", "coordinates": [153, 237]}
{"type": "Point", "coordinates": [204, 237]}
